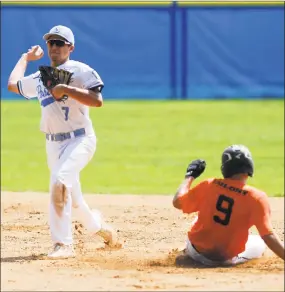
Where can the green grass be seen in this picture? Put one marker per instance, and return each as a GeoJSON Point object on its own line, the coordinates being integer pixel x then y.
{"type": "Point", "coordinates": [144, 147]}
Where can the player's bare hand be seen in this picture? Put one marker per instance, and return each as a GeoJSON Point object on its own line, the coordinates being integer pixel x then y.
{"type": "Point", "coordinates": [58, 91]}
{"type": "Point", "coordinates": [34, 53]}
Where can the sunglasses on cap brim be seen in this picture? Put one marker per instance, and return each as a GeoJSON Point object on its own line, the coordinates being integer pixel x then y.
{"type": "Point", "coordinates": [58, 43]}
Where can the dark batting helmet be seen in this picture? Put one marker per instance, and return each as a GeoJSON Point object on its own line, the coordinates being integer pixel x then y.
{"type": "Point", "coordinates": [237, 159]}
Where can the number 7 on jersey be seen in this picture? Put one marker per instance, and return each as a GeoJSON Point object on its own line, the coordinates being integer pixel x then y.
{"type": "Point", "coordinates": [66, 111]}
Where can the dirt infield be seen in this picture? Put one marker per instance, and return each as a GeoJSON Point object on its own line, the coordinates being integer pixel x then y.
{"type": "Point", "coordinates": [153, 232]}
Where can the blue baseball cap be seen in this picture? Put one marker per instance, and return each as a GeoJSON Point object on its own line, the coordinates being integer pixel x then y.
{"type": "Point", "coordinates": [62, 31]}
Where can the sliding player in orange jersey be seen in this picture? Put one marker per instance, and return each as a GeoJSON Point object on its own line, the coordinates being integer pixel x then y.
{"type": "Point", "coordinates": [226, 209]}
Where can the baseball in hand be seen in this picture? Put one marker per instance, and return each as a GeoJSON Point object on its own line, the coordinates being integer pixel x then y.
{"type": "Point", "coordinates": [38, 51]}
{"type": "Point", "coordinates": [34, 53]}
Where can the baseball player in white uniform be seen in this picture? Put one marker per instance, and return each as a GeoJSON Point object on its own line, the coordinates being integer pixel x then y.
{"type": "Point", "coordinates": [69, 134]}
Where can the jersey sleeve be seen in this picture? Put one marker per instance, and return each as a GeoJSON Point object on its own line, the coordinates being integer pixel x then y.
{"type": "Point", "coordinates": [91, 79]}
{"type": "Point", "coordinates": [27, 86]}
{"type": "Point", "coordinates": [190, 202]}
{"type": "Point", "coordinates": [262, 216]}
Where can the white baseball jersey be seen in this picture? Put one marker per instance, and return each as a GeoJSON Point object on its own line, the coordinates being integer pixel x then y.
{"type": "Point", "coordinates": [67, 116]}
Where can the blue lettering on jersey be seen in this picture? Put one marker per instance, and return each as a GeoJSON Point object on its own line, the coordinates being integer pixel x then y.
{"type": "Point", "coordinates": [42, 92]}
{"type": "Point", "coordinates": [45, 97]}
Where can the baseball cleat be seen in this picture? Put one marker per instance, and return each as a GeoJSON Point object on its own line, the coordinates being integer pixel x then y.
{"type": "Point", "coordinates": [62, 251]}
{"type": "Point", "coordinates": [109, 235]}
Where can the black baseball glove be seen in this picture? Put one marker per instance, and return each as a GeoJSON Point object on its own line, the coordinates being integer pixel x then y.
{"type": "Point", "coordinates": [195, 168]}
{"type": "Point", "coordinates": [51, 77]}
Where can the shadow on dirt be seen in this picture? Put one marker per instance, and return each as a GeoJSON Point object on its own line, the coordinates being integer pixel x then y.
{"type": "Point", "coordinates": [22, 258]}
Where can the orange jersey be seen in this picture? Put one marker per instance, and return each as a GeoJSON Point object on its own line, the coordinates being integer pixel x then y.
{"type": "Point", "coordinates": [226, 210]}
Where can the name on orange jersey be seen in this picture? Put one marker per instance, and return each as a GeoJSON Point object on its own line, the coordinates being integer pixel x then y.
{"type": "Point", "coordinates": [231, 188]}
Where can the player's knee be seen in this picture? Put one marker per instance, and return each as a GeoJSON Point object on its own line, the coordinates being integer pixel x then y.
{"type": "Point", "coordinates": [57, 177]}
{"type": "Point", "coordinates": [59, 196]}
{"type": "Point", "coordinates": [255, 247]}
{"type": "Point", "coordinates": [260, 247]}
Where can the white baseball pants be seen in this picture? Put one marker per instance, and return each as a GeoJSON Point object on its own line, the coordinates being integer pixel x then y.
{"type": "Point", "coordinates": [254, 249]}
{"type": "Point", "coordinates": [65, 161]}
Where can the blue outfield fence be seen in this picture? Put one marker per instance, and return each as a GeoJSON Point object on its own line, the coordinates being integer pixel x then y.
{"type": "Point", "coordinates": [173, 50]}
